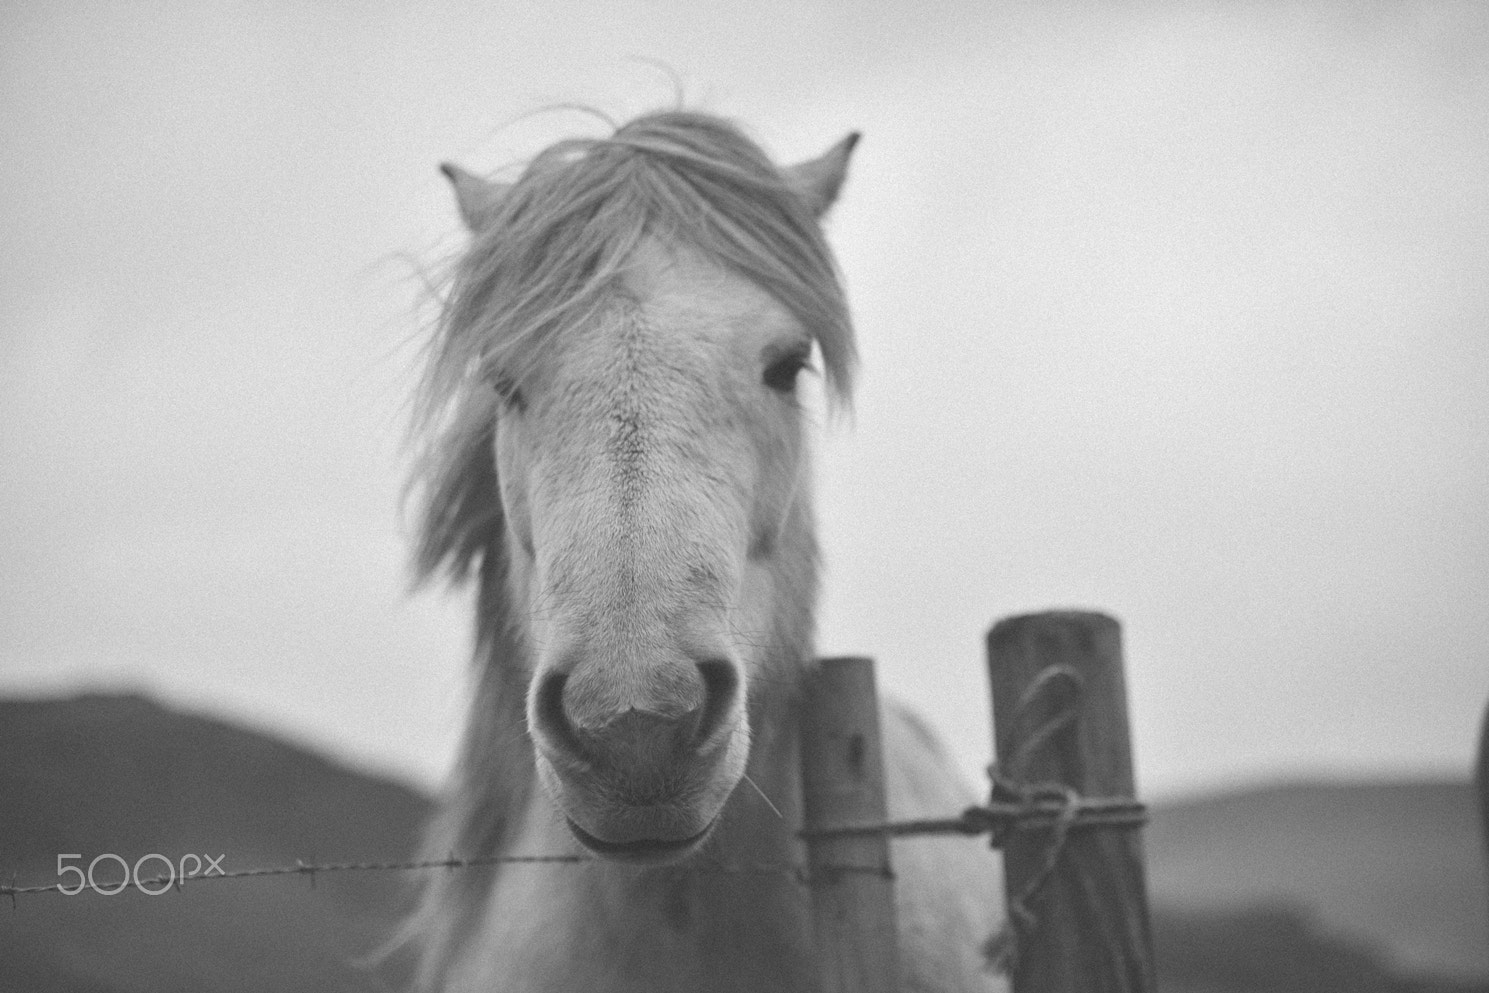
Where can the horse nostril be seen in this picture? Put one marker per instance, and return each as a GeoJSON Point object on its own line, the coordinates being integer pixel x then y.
{"type": "Point", "coordinates": [720, 686]}
{"type": "Point", "coordinates": [639, 732]}
{"type": "Point", "coordinates": [551, 715]}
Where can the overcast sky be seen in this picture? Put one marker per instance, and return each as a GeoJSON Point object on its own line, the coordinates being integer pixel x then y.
{"type": "Point", "coordinates": [1180, 311]}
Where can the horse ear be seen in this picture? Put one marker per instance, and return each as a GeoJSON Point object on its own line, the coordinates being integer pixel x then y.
{"type": "Point", "coordinates": [477, 198]}
{"type": "Point", "coordinates": [819, 180]}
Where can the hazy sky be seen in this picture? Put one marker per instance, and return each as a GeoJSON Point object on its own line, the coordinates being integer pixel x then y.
{"type": "Point", "coordinates": [1180, 311]}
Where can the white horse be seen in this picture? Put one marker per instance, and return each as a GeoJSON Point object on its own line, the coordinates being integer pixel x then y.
{"type": "Point", "coordinates": [613, 448]}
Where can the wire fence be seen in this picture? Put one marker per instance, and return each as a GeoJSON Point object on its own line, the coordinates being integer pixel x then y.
{"type": "Point", "coordinates": [1091, 902]}
{"type": "Point", "coordinates": [1014, 807]}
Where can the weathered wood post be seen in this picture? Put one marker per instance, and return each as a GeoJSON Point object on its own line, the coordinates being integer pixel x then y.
{"type": "Point", "coordinates": [1089, 929]}
{"type": "Point", "coordinates": [843, 785]}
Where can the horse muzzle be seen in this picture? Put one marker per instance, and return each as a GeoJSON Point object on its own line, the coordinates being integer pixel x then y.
{"type": "Point", "coordinates": [643, 785]}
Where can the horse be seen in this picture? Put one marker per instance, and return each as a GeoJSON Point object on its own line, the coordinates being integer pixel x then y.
{"type": "Point", "coordinates": [612, 447]}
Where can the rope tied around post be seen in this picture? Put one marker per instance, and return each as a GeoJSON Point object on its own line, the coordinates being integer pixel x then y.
{"type": "Point", "coordinates": [1008, 786]}
{"type": "Point", "coordinates": [1002, 948]}
{"type": "Point", "coordinates": [1077, 907]}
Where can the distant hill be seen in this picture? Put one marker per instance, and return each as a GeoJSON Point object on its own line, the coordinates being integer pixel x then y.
{"type": "Point", "coordinates": [1277, 949]}
{"type": "Point", "coordinates": [124, 775]}
{"type": "Point", "coordinates": [1314, 889]}
{"type": "Point", "coordinates": [1397, 865]}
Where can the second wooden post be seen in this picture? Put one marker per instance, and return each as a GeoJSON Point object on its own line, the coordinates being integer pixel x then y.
{"type": "Point", "coordinates": [1060, 714]}
{"type": "Point", "coordinates": [843, 786]}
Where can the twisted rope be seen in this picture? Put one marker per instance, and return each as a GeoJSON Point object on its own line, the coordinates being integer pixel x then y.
{"type": "Point", "coordinates": [1066, 804]}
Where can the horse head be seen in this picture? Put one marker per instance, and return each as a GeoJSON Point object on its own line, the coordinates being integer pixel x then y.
{"type": "Point", "coordinates": [621, 351]}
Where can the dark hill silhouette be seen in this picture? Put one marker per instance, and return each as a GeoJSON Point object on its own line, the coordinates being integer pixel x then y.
{"type": "Point", "coordinates": [1400, 865]}
{"type": "Point", "coordinates": [1323, 889]}
{"type": "Point", "coordinates": [124, 775]}
{"type": "Point", "coordinates": [1276, 949]}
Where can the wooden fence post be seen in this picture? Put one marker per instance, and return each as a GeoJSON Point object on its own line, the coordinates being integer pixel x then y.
{"type": "Point", "coordinates": [1089, 929]}
{"type": "Point", "coordinates": [843, 785]}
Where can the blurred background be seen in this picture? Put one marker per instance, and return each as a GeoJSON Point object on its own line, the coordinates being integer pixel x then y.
{"type": "Point", "coordinates": [1175, 310]}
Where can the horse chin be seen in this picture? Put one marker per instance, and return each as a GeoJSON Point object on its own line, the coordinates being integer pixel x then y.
{"type": "Point", "coordinates": [643, 851]}
{"type": "Point", "coordinates": [658, 831]}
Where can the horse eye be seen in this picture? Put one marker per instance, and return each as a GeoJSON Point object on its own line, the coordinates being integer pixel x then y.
{"type": "Point", "coordinates": [780, 375]}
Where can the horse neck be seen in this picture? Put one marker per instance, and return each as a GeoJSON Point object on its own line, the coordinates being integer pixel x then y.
{"type": "Point", "coordinates": [493, 783]}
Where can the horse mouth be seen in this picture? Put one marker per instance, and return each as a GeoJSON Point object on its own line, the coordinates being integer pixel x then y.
{"type": "Point", "coordinates": [643, 851]}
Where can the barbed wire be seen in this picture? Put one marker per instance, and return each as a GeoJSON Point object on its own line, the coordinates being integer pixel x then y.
{"type": "Point", "coordinates": [160, 883]}
{"type": "Point", "coordinates": [300, 868]}
{"type": "Point", "coordinates": [997, 818]}
{"type": "Point", "coordinates": [1013, 805]}
{"type": "Point", "coordinates": [1000, 817]}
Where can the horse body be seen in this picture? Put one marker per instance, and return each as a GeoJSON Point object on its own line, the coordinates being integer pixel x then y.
{"type": "Point", "coordinates": [616, 450]}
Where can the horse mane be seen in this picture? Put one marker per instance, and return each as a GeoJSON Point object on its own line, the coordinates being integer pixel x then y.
{"type": "Point", "coordinates": [551, 255]}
